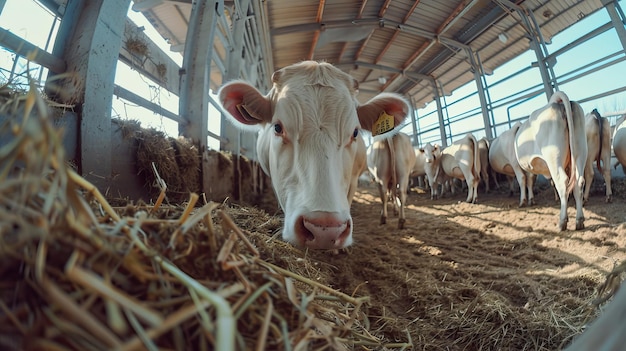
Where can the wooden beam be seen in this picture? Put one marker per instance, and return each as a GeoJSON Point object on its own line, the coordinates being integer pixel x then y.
{"type": "Point", "coordinates": [316, 35]}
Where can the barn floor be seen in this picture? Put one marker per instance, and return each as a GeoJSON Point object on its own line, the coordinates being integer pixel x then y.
{"type": "Point", "coordinates": [487, 276]}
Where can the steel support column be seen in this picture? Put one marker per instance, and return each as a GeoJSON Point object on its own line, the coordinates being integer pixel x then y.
{"type": "Point", "coordinates": [90, 51]}
{"type": "Point", "coordinates": [194, 78]}
{"type": "Point", "coordinates": [236, 59]}
{"type": "Point", "coordinates": [529, 24]}
{"type": "Point", "coordinates": [414, 123]}
{"type": "Point", "coordinates": [478, 78]}
{"type": "Point", "coordinates": [611, 7]}
{"type": "Point", "coordinates": [194, 86]}
{"type": "Point", "coordinates": [442, 128]}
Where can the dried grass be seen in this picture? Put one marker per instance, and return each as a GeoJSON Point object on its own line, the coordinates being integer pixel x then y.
{"type": "Point", "coordinates": [79, 274]}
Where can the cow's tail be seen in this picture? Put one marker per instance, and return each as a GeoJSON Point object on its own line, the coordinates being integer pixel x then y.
{"type": "Point", "coordinates": [560, 97]}
{"type": "Point", "coordinates": [476, 169]}
{"type": "Point", "coordinates": [392, 160]}
{"type": "Point", "coordinates": [601, 142]}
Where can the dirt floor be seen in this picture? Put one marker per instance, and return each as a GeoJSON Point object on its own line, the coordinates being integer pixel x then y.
{"type": "Point", "coordinates": [486, 276]}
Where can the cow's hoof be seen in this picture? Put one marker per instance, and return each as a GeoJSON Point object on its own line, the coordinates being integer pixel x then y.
{"type": "Point", "coordinates": [401, 222]}
{"type": "Point", "coordinates": [580, 224]}
{"type": "Point", "coordinates": [383, 220]}
{"type": "Point", "coordinates": [563, 226]}
{"type": "Point", "coordinates": [609, 199]}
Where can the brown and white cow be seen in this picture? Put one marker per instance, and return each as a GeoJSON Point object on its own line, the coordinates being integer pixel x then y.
{"type": "Point", "coordinates": [552, 143]}
{"type": "Point", "coordinates": [598, 132]}
{"type": "Point", "coordinates": [619, 142]}
{"type": "Point", "coordinates": [311, 122]}
{"type": "Point", "coordinates": [503, 160]}
{"type": "Point", "coordinates": [390, 162]}
{"type": "Point", "coordinates": [461, 160]}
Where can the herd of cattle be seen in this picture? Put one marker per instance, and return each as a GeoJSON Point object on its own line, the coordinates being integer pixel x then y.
{"type": "Point", "coordinates": [310, 146]}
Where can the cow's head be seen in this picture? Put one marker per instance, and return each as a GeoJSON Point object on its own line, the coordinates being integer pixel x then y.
{"type": "Point", "coordinates": [310, 123]}
{"type": "Point", "coordinates": [432, 152]}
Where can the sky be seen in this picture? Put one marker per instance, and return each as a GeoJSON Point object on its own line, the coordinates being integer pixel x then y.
{"type": "Point", "coordinates": [37, 32]}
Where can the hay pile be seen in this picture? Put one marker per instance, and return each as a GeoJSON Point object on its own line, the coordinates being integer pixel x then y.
{"type": "Point", "coordinates": [79, 274]}
{"type": "Point", "coordinates": [177, 161]}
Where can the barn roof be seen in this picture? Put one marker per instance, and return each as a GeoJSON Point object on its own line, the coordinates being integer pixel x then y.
{"type": "Point", "coordinates": [387, 45]}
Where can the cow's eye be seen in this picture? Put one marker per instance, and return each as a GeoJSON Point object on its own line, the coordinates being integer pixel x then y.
{"type": "Point", "coordinates": [355, 133]}
{"type": "Point", "coordinates": [278, 128]}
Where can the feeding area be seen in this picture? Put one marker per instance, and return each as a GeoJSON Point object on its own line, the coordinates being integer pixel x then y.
{"type": "Point", "coordinates": [80, 271]}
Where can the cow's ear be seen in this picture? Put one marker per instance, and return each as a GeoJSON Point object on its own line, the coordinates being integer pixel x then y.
{"type": "Point", "coordinates": [245, 103]}
{"type": "Point", "coordinates": [386, 109]}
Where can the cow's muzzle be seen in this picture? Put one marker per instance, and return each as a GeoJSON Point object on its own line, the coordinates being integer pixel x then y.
{"type": "Point", "coordinates": [324, 230]}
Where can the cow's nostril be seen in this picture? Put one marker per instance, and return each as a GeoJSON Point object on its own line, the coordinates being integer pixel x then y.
{"type": "Point", "coordinates": [323, 230]}
{"type": "Point", "coordinates": [303, 231]}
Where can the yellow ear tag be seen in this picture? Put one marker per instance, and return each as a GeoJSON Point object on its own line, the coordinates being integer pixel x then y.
{"type": "Point", "coordinates": [383, 124]}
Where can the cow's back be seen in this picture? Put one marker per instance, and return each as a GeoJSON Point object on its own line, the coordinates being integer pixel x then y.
{"type": "Point", "coordinates": [461, 151]}
{"type": "Point", "coordinates": [593, 133]}
{"type": "Point", "coordinates": [419, 169]}
{"type": "Point", "coordinates": [501, 151]}
{"type": "Point", "coordinates": [619, 141]}
{"type": "Point", "coordinates": [541, 137]}
{"type": "Point", "coordinates": [405, 154]}
{"type": "Point", "coordinates": [380, 162]}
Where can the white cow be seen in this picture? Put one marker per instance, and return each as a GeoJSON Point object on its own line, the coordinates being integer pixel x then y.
{"type": "Point", "coordinates": [419, 170]}
{"type": "Point", "coordinates": [598, 132]}
{"type": "Point", "coordinates": [432, 168]}
{"type": "Point", "coordinates": [619, 142]}
{"type": "Point", "coordinates": [552, 142]}
{"type": "Point", "coordinates": [311, 123]}
{"type": "Point", "coordinates": [390, 162]}
{"type": "Point", "coordinates": [461, 160]}
{"type": "Point", "coordinates": [483, 151]}
{"type": "Point", "coordinates": [503, 160]}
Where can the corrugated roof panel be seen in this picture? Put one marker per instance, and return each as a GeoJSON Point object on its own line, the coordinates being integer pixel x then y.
{"type": "Point", "coordinates": [294, 32]}
{"type": "Point", "coordinates": [289, 13]}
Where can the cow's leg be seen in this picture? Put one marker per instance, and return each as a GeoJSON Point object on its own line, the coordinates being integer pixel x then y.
{"type": "Point", "coordinates": [472, 188]}
{"type": "Point", "coordinates": [511, 181]}
{"type": "Point", "coordinates": [433, 191]}
{"type": "Point", "coordinates": [559, 181]}
{"type": "Point", "coordinates": [530, 183]}
{"type": "Point", "coordinates": [521, 180]}
{"type": "Point", "coordinates": [485, 177]}
{"type": "Point", "coordinates": [588, 179]}
{"type": "Point", "coordinates": [403, 184]}
{"type": "Point", "coordinates": [475, 182]}
{"type": "Point", "coordinates": [495, 179]}
{"type": "Point", "coordinates": [606, 173]}
{"type": "Point", "coordinates": [383, 198]}
{"type": "Point", "coordinates": [394, 201]}
{"type": "Point", "coordinates": [578, 192]}
{"type": "Point", "coordinates": [578, 198]}
{"type": "Point", "coordinates": [557, 196]}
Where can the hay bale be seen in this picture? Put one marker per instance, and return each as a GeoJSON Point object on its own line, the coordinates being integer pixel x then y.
{"type": "Point", "coordinates": [218, 174]}
{"type": "Point", "coordinates": [188, 160]}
